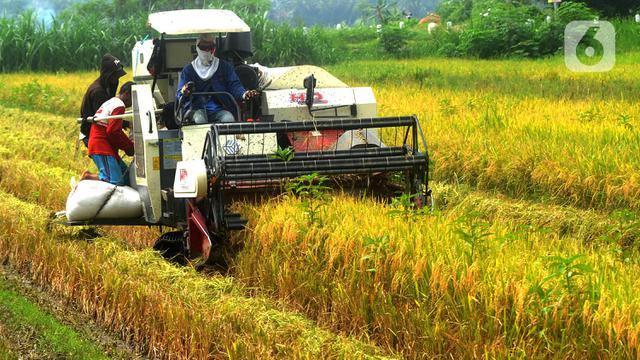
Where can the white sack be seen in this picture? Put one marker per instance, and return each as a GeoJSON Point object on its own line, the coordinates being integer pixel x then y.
{"type": "Point", "coordinates": [87, 197]}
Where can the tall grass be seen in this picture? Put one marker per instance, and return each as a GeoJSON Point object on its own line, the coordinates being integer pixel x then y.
{"type": "Point", "coordinates": [627, 35]}
{"type": "Point", "coordinates": [76, 42]}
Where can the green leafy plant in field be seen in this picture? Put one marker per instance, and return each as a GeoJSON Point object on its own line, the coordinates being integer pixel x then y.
{"type": "Point", "coordinates": [625, 120]}
{"type": "Point", "coordinates": [492, 118]}
{"type": "Point", "coordinates": [567, 270]}
{"type": "Point", "coordinates": [627, 225]}
{"type": "Point", "coordinates": [589, 115]}
{"type": "Point", "coordinates": [393, 40]}
{"type": "Point", "coordinates": [284, 154]}
{"type": "Point", "coordinates": [446, 107]}
{"type": "Point", "coordinates": [622, 235]}
{"type": "Point", "coordinates": [404, 206]}
{"type": "Point", "coordinates": [564, 286]}
{"type": "Point", "coordinates": [313, 193]}
{"type": "Point", "coordinates": [473, 232]}
{"type": "Point", "coordinates": [374, 247]}
{"type": "Point", "coordinates": [424, 76]}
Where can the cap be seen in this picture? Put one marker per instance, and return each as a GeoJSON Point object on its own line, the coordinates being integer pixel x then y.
{"type": "Point", "coordinates": [205, 38]}
{"type": "Point", "coordinates": [111, 65]}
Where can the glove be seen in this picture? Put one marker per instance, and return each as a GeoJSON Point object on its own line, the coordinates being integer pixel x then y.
{"type": "Point", "coordinates": [129, 151]}
{"type": "Point", "coordinates": [187, 88]}
{"type": "Point", "coordinates": [249, 94]}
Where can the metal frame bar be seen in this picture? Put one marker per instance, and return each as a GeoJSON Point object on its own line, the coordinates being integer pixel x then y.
{"type": "Point", "coordinates": [310, 125]}
{"type": "Point", "coordinates": [354, 161]}
{"type": "Point", "coordinates": [318, 155]}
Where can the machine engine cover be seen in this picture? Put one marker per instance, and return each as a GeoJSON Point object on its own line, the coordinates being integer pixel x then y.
{"type": "Point", "coordinates": [191, 179]}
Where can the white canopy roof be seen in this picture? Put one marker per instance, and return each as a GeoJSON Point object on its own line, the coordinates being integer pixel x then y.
{"type": "Point", "coordinates": [193, 21]}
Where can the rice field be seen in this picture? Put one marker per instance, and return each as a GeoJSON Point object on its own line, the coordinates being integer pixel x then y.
{"type": "Point", "coordinates": [531, 252]}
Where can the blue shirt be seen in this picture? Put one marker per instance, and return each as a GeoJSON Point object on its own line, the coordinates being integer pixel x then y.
{"type": "Point", "coordinates": [224, 79]}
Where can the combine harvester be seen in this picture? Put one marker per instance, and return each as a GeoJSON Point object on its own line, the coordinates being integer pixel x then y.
{"type": "Point", "coordinates": [186, 173]}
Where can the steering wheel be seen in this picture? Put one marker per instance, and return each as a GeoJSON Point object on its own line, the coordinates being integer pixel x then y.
{"type": "Point", "coordinates": [183, 117]}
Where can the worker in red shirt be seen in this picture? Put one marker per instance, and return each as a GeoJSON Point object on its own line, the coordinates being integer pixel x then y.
{"type": "Point", "coordinates": [107, 137]}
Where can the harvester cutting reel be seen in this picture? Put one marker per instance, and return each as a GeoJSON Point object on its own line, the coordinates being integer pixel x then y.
{"type": "Point", "coordinates": [331, 147]}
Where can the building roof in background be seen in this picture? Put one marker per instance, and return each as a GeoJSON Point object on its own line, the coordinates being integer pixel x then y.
{"type": "Point", "coordinates": [431, 18]}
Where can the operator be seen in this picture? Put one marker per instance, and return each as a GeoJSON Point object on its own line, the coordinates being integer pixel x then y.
{"type": "Point", "coordinates": [107, 137]}
{"type": "Point", "coordinates": [207, 73]}
{"type": "Point", "coordinates": [101, 90]}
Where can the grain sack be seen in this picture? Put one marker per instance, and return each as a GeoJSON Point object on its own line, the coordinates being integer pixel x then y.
{"type": "Point", "coordinates": [87, 197]}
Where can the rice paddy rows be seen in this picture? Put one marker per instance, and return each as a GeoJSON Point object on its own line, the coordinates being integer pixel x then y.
{"type": "Point", "coordinates": [254, 326]}
{"type": "Point", "coordinates": [22, 159]}
{"type": "Point", "coordinates": [524, 277]}
{"type": "Point", "coordinates": [530, 129]}
{"type": "Point", "coordinates": [425, 286]}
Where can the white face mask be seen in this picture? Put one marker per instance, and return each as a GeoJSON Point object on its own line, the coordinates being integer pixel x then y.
{"type": "Point", "coordinates": [206, 57]}
{"type": "Point", "coordinates": [206, 64]}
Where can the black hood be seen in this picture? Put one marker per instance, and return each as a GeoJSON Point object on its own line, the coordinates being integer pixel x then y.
{"type": "Point", "coordinates": [110, 65]}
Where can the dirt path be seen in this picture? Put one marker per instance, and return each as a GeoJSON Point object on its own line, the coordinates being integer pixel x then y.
{"type": "Point", "coordinates": [37, 325]}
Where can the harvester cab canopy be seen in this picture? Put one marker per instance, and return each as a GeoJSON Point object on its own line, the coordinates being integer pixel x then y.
{"type": "Point", "coordinates": [192, 21]}
{"type": "Point", "coordinates": [162, 59]}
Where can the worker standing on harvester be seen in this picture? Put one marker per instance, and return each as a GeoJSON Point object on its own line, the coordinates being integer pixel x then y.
{"type": "Point", "coordinates": [207, 73]}
{"type": "Point", "coordinates": [107, 137]}
{"type": "Point", "coordinates": [101, 90]}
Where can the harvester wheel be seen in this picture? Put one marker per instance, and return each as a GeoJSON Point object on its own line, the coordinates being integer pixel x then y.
{"type": "Point", "coordinates": [171, 246]}
{"type": "Point", "coordinates": [215, 201]}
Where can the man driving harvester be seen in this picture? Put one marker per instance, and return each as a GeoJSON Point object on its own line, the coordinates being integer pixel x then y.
{"type": "Point", "coordinates": [207, 73]}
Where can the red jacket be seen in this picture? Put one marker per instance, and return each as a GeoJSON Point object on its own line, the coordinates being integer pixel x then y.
{"type": "Point", "coordinates": [107, 136]}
